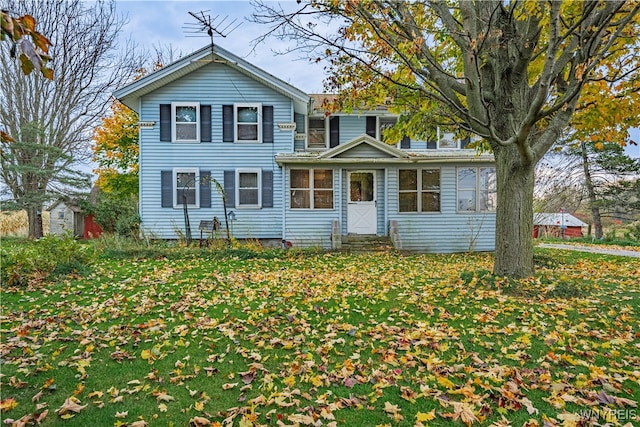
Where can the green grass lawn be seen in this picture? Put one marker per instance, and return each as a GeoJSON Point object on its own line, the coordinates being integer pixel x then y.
{"type": "Point", "coordinates": [275, 338]}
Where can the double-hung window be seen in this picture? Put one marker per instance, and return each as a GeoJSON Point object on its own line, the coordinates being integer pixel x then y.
{"type": "Point", "coordinates": [185, 187]}
{"type": "Point", "coordinates": [186, 121]}
{"type": "Point", "coordinates": [419, 190]}
{"type": "Point", "coordinates": [248, 188]}
{"type": "Point", "coordinates": [248, 122]}
{"type": "Point", "coordinates": [316, 135]}
{"type": "Point", "coordinates": [311, 189]}
{"type": "Point", "coordinates": [477, 191]}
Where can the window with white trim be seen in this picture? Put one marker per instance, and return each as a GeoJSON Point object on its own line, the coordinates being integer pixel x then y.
{"type": "Point", "coordinates": [185, 187]}
{"type": "Point", "coordinates": [248, 122]}
{"type": "Point", "coordinates": [311, 188]}
{"type": "Point", "coordinates": [419, 190]}
{"type": "Point", "coordinates": [248, 188]}
{"type": "Point", "coordinates": [477, 190]}
{"type": "Point", "coordinates": [186, 121]}
{"type": "Point", "coordinates": [317, 133]}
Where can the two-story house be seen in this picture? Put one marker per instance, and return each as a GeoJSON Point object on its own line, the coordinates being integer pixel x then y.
{"type": "Point", "coordinates": [290, 172]}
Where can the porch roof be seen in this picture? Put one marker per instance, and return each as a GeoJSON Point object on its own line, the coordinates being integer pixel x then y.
{"type": "Point", "coordinates": [378, 152]}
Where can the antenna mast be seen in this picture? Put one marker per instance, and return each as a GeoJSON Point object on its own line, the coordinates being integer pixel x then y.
{"type": "Point", "coordinates": [205, 26]}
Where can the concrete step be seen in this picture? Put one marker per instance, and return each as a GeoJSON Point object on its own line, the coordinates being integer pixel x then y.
{"type": "Point", "coordinates": [366, 243]}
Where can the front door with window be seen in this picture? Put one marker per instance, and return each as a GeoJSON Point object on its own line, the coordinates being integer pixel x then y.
{"type": "Point", "coordinates": [361, 203]}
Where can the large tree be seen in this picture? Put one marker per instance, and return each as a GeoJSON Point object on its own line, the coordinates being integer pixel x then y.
{"type": "Point", "coordinates": [511, 72]}
{"type": "Point", "coordinates": [51, 121]}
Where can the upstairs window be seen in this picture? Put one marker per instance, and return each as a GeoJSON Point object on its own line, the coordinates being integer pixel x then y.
{"type": "Point", "coordinates": [186, 121]}
{"type": "Point", "coordinates": [477, 190]}
{"type": "Point", "coordinates": [316, 135]}
{"type": "Point", "coordinates": [248, 123]}
{"type": "Point", "coordinates": [385, 123]}
{"type": "Point", "coordinates": [448, 140]}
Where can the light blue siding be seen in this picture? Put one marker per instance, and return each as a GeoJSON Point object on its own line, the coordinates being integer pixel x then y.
{"type": "Point", "coordinates": [444, 231]}
{"type": "Point", "coordinates": [351, 127]}
{"type": "Point", "coordinates": [215, 85]}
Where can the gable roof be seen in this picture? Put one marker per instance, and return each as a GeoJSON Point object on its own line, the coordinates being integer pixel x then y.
{"type": "Point", "coordinates": [130, 93]}
{"type": "Point", "coordinates": [364, 139]}
{"type": "Point", "coordinates": [557, 219]}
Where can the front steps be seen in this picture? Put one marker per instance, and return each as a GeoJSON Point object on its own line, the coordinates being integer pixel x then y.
{"type": "Point", "coordinates": [365, 243]}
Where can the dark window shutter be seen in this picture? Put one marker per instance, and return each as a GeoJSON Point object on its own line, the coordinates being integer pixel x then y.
{"type": "Point", "coordinates": [230, 188]}
{"type": "Point", "coordinates": [406, 142]}
{"type": "Point", "coordinates": [267, 123]}
{"type": "Point", "coordinates": [165, 122]}
{"type": "Point", "coordinates": [432, 145]}
{"type": "Point", "coordinates": [334, 131]}
{"type": "Point", "coordinates": [465, 142]}
{"type": "Point", "coordinates": [300, 120]}
{"type": "Point", "coordinates": [227, 123]}
{"type": "Point", "coordinates": [205, 123]}
{"type": "Point", "coordinates": [267, 189]}
{"type": "Point", "coordinates": [166, 188]}
{"type": "Point", "coordinates": [205, 189]}
{"type": "Point", "coordinates": [371, 126]}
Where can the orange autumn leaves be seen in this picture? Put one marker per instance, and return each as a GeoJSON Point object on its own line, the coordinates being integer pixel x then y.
{"type": "Point", "coordinates": [115, 147]}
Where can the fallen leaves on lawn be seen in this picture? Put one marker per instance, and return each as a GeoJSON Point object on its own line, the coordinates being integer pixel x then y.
{"type": "Point", "coordinates": [70, 407]}
{"type": "Point", "coordinates": [321, 340]}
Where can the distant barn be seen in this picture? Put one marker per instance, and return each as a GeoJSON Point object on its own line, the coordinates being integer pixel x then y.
{"type": "Point", "coordinates": [560, 224]}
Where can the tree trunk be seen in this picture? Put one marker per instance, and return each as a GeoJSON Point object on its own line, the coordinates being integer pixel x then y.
{"type": "Point", "coordinates": [588, 181]}
{"type": "Point", "coordinates": [34, 215]}
{"type": "Point", "coordinates": [514, 215]}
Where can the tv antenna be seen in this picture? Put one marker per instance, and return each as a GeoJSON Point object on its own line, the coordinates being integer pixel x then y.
{"type": "Point", "coordinates": [205, 26]}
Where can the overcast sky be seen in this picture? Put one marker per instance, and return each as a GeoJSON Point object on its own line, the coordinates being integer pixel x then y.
{"type": "Point", "coordinates": [157, 23]}
{"type": "Point", "coordinates": [154, 23]}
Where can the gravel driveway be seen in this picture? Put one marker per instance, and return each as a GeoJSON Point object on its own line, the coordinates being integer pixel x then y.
{"type": "Point", "coordinates": [618, 252]}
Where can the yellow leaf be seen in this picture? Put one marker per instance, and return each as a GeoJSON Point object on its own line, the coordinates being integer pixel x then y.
{"type": "Point", "coordinates": [8, 404]}
{"type": "Point", "coordinates": [93, 394]}
{"type": "Point", "coordinates": [290, 381]}
{"type": "Point", "coordinates": [446, 382]}
{"type": "Point", "coordinates": [316, 381]}
{"type": "Point", "coordinates": [426, 416]}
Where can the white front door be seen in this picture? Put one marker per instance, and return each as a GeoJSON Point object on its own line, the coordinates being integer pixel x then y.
{"type": "Point", "coordinates": [361, 205]}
